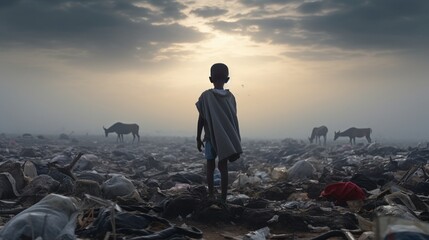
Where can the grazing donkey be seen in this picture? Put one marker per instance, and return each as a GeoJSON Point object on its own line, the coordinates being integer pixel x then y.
{"type": "Point", "coordinates": [317, 133]}
{"type": "Point", "coordinates": [123, 128]}
{"type": "Point", "coordinates": [354, 133]}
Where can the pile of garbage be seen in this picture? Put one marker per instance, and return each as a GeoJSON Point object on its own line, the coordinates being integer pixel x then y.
{"type": "Point", "coordinates": [91, 188]}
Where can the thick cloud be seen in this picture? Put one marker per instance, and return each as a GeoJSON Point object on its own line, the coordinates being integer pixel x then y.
{"type": "Point", "coordinates": [363, 25]}
{"type": "Point", "coordinates": [5, 3]}
{"type": "Point", "coordinates": [380, 24]}
{"type": "Point", "coordinates": [169, 9]}
{"type": "Point", "coordinates": [138, 29]}
{"type": "Point", "coordinates": [94, 28]}
{"type": "Point", "coordinates": [310, 7]}
{"type": "Point", "coordinates": [260, 3]}
{"type": "Point", "coordinates": [209, 11]}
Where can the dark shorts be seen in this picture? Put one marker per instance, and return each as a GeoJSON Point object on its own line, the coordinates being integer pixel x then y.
{"type": "Point", "coordinates": [209, 151]}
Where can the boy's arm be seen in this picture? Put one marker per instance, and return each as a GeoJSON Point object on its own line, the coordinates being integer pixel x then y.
{"type": "Point", "coordinates": [200, 126]}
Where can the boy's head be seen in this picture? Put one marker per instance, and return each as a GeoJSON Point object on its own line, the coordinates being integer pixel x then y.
{"type": "Point", "coordinates": [219, 73]}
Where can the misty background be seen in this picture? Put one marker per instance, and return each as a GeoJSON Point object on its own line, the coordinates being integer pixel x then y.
{"type": "Point", "coordinates": [76, 66]}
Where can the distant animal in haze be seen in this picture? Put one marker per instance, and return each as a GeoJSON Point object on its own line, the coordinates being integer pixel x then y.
{"type": "Point", "coordinates": [123, 128]}
{"type": "Point", "coordinates": [317, 133]}
{"type": "Point", "coordinates": [354, 133]}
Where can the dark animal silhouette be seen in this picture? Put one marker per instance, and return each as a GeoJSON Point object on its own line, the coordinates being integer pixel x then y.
{"type": "Point", "coordinates": [317, 133]}
{"type": "Point", "coordinates": [123, 128]}
{"type": "Point", "coordinates": [354, 133]}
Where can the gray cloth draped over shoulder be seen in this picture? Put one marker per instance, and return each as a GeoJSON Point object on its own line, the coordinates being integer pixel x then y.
{"type": "Point", "coordinates": [219, 112]}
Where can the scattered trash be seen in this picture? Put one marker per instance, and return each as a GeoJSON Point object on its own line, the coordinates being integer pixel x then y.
{"type": "Point", "coordinates": [398, 228]}
{"type": "Point", "coordinates": [260, 234]}
{"type": "Point", "coordinates": [156, 189]}
{"type": "Point", "coordinates": [54, 217]}
{"type": "Point", "coordinates": [342, 192]}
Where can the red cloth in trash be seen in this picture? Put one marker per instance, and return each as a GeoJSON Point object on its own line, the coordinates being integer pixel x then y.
{"type": "Point", "coordinates": [343, 192]}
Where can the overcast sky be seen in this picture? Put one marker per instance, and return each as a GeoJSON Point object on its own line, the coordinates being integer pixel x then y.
{"type": "Point", "coordinates": [79, 65]}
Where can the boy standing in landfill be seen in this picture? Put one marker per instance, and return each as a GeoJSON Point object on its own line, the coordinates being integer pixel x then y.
{"type": "Point", "coordinates": [218, 117]}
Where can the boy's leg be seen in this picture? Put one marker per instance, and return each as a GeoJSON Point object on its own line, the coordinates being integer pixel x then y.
{"type": "Point", "coordinates": [210, 155]}
{"type": "Point", "coordinates": [210, 175]}
{"type": "Point", "coordinates": [223, 169]}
